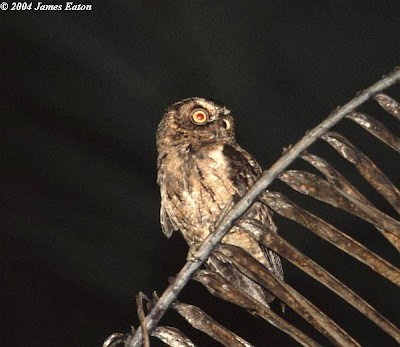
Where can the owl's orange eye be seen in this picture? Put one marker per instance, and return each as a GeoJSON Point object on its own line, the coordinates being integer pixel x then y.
{"type": "Point", "coordinates": [199, 116]}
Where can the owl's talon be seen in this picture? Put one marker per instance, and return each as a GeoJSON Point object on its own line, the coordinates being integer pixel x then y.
{"type": "Point", "coordinates": [193, 254]}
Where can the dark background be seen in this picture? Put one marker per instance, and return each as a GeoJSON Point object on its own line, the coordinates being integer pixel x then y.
{"type": "Point", "coordinates": [82, 94]}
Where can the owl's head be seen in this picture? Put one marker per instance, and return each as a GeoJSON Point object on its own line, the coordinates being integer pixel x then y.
{"type": "Point", "coordinates": [195, 119]}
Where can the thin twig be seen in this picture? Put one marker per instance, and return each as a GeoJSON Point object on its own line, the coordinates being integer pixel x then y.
{"type": "Point", "coordinates": [246, 201]}
{"type": "Point", "coordinates": [142, 319]}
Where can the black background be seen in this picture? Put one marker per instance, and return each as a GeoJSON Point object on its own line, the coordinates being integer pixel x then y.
{"type": "Point", "coordinates": [82, 94]}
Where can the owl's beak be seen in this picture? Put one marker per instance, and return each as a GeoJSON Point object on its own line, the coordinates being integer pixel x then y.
{"type": "Point", "coordinates": [227, 123]}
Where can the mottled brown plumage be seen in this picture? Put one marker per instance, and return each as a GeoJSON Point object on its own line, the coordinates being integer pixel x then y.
{"type": "Point", "coordinates": [201, 169]}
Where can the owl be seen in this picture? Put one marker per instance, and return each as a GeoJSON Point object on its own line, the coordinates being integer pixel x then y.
{"type": "Point", "coordinates": [201, 169]}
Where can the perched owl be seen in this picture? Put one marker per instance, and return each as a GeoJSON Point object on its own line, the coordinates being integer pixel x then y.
{"type": "Point", "coordinates": [201, 169]}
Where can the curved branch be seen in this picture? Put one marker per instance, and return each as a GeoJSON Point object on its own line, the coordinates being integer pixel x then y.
{"type": "Point", "coordinates": [246, 201]}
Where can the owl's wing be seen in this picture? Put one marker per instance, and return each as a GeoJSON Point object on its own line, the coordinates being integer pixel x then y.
{"type": "Point", "coordinates": [167, 225]}
{"type": "Point", "coordinates": [244, 170]}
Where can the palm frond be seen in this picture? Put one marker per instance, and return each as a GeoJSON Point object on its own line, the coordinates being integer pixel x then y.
{"type": "Point", "coordinates": [332, 189]}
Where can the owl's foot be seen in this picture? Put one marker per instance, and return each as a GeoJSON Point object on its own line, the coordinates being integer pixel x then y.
{"type": "Point", "coordinates": [194, 253]}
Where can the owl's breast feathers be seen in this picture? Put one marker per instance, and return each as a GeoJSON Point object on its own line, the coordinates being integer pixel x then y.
{"type": "Point", "coordinates": [196, 184]}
